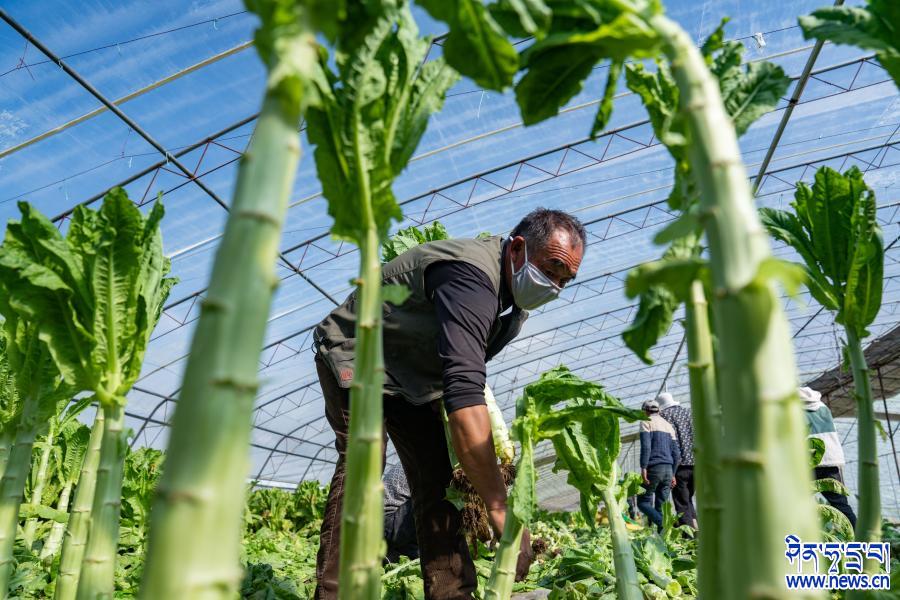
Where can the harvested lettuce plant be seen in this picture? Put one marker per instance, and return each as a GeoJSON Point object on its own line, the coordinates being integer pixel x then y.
{"type": "Point", "coordinates": [373, 113]}
{"type": "Point", "coordinates": [834, 228]}
{"type": "Point", "coordinates": [202, 489]}
{"type": "Point", "coordinates": [762, 472]}
{"type": "Point", "coordinates": [582, 432]}
{"type": "Point", "coordinates": [748, 91]}
{"type": "Point", "coordinates": [411, 237]}
{"type": "Point", "coordinates": [461, 491]}
{"type": "Point", "coordinates": [94, 298]}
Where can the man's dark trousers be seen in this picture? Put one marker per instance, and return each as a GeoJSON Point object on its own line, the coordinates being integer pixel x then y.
{"type": "Point", "coordinates": [418, 436]}
{"type": "Point", "coordinates": [839, 501]}
{"type": "Point", "coordinates": [656, 492]}
{"type": "Point", "coordinates": [683, 495]}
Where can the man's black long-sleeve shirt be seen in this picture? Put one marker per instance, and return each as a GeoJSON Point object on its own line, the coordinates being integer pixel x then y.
{"type": "Point", "coordinates": [466, 307]}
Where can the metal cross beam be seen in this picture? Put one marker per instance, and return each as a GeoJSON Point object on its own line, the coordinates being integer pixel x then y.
{"type": "Point", "coordinates": [140, 131]}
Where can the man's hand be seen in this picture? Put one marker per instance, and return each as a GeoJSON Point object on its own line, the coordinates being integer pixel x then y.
{"type": "Point", "coordinates": [644, 476]}
{"type": "Point", "coordinates": [673, 481]}
{"type": "Point", "coordinates": [470, 429]}
{"type": "Point", "coordinates": [497, 518]}
{"type": "Point", "coordinates": [526, 557]}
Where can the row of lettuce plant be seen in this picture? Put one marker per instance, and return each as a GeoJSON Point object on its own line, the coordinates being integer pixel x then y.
{"type": "Point", "coordinates": [79, 310]}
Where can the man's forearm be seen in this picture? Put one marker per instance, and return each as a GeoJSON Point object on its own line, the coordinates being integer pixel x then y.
{"type": "Point", "coordinates": [470, 430]}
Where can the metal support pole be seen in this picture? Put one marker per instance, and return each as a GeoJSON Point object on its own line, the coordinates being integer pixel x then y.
{"type": "Point", "coordinates": [672, 365]}
{"type": "Point", "coordinates": [887, 416]}
{"type": "Point", "coordinates": [789, 110]}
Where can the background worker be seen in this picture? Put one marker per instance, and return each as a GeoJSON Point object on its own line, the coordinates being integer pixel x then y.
{"type": "Point", "coordinates": [468, 299]}
{"type": "Point", "coordinates": [679, 417]}
{"type": "Point", "coordinates": [659, 459]}
{"type": "Point", "coordinates": [821, 425]}
{"type": "Point", "coordinates": [399, 521]}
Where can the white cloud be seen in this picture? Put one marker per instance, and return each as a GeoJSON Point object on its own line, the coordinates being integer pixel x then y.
{"type": "Point", "coordinates": [10, 126]}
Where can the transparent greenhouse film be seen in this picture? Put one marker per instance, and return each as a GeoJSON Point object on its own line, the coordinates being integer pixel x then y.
{"type": "Point", "coordinates": [762, 313]}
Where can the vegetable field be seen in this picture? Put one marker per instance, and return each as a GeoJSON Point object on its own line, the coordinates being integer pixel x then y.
{"type": "Point", "coordinates": [219, 217]}
{"type": "Point", "coordinates": [280, 535]}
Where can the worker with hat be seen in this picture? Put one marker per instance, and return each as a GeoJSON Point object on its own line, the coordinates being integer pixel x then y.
{"type": "Point", "coordinates": [660, 457]}
{"type": "Point", "coordinates": [679, 417]}
{"type": "Point", "coordinates": [821, 425]}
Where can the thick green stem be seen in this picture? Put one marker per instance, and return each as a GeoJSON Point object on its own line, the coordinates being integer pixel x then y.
{"type": "Point", "coordinates": [454, 460]}
{"type": "Point", "coordinates": [57, 530]}
{"type": "Point", "coordinates": [12, 489]}
{"type": "Point", "coordinates": [203, 485]}
{"type": "Point", "coordinates": [97, 579]}
{"type": "Point", "coordinates": [868, 523]}
{"type": "Point", "coordinates": [503, 571]}
{"type": "Point", "coordinates": [78, 526]}
{"type": "Point", "coordinates": [6, 441]}
{"type": "Point", "coordinates": [707, 416]}
{"type": "Point", "coordinates": [362, 517]}
{"type": "Point", "coordinates": [503, 445]}
{"type": "Point", "coordinates": [766, 478]}
{"type": "Point", "coordinates": [12, 485]}
{"type": "Point", "coordinates": [627, 587]}
{"type": "Point", "coordinates": [40, 480]}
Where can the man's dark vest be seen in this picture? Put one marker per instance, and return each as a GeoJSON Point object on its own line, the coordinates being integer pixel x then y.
{"type": "Point", "coordinates": [413, 368]}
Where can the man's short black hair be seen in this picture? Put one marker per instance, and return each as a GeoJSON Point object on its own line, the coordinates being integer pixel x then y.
{"type": "Point", "coordinates": [539, 224]}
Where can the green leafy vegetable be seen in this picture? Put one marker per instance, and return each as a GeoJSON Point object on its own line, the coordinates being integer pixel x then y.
{"type": "Point", "coordinates": [835, 231]}
{"type": "Point", "coordinates": [94, 298]}
{"type": "Point", "coordinates": [42, 393]}
{"type": "Point", "coordinates": [652, 554]}
{"type": "Point", "coordinates": [834, 228]}
{"type": "Point", "coordinates": [411, 237]}
{"type": "Point", "coordinates": [77, 528]}
{"type": "Point", "coordinates": [835, 525]}
{"type": "Point", "coordinates": [874, 27]}
{"type": "Point", "coordinates": [73, 445]}
{"type": "Point", "coordinates": [10, 405]}
{"type": "Point", "coordinates": [816, 451]}
{"type": "Point", "coordinates": [476, 46]}
{"type": "Point", "coordinates": [557, 64]}
{"type": "Point", "coordinates": [748, 92]}
{"type": "Point", "coordinates": [521, 18]}
{"type": "Point", "coordinates": [585, 435]}
{"type": "Point", "coordinates": [39, 475]}
{"type": "Point", "coordinates": [830, 485]}
{"type": "Point", "coordinates": [212, 421]}
{"type": "Point", "coordinates": [695, 99]}
{"type": "Point", "coordinates": [373, 113]}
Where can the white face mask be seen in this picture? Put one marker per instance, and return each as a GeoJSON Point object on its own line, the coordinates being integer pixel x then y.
{"type": "Point", "coordinates": [530, 287]}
